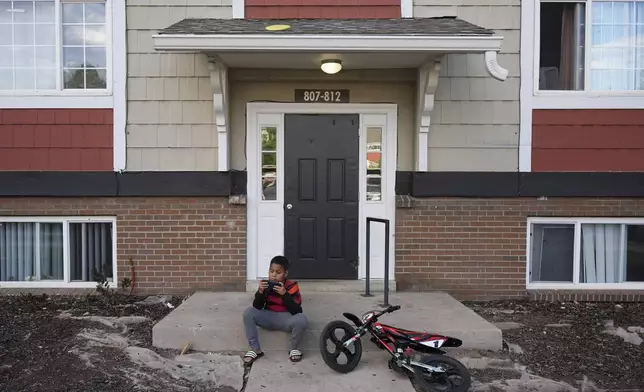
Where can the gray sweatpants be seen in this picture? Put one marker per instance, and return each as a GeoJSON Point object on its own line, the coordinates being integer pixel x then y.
{"type": "Point", "coordinates": [277, 321]}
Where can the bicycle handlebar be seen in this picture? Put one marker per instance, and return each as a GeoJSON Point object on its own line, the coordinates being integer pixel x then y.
{"type": "Point", "coordinates": [390, 309]}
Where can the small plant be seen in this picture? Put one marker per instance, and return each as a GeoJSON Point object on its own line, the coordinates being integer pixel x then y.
{"type": "Point", "coordinates": [133, 275]}
{"type": "Point", "coordinates": [102, 284]}
{"type": "Point", "coordinates": [125, 283]}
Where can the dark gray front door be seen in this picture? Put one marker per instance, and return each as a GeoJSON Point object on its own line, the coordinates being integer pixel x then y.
{"type": "Point", "coordinates": [321, 155]}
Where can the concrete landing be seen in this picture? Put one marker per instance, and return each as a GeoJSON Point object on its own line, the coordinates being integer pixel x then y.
{"type": "Point", "coordinates": [212, 321]}
{"type": "Point", "coordinates": [274, 372]}
{"type": "Point", "coordinates": [333, 286]}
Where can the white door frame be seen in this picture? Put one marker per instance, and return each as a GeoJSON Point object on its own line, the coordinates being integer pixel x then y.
{"type": "Point", "coordinates": [265, 219]}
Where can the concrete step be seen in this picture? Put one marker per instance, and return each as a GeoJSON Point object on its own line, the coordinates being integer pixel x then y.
{"type": "Point", "coordinates": [213, 321]}
{"type": "Point", "coordinates": [335, 286]}
{"type": "Point", "coordinates": [219, 340]}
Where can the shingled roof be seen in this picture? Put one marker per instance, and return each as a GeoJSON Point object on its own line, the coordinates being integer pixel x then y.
{"type": "Point", "coordinates": [443, 26]}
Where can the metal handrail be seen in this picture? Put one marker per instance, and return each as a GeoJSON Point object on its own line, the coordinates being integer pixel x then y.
{"type": "Point", "coordinates": [368, 265]}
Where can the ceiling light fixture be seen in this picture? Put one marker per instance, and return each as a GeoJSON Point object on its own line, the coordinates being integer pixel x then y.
{"type": "Point", "coordinates": [331, 66]}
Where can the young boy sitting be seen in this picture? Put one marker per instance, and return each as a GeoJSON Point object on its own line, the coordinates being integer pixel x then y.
{"type": "Point", "coordinates": [277, 309]}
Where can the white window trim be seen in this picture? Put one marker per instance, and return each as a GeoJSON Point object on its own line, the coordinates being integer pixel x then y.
{"type": "Point", "coordinates": [530, 45]}
{"type": "Point", "coordinates": [65, 284]}
{"type": "Point", "coordinates": [406, 8]}
{"type": "Point", "coordinates": [119, 78]}
{"type": "Point", "coordinates": [64, 99]}
{"type": "Point", "coordinates": [239, 9]}
{"type": "Point", "coordinates": [575, 285]}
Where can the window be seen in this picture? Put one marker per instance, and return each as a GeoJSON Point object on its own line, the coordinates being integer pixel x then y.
{"type": "Point", "coordinates": [269, 163]}
{"type": "Point", "coordinates": [591, 45]}
{"type": "Point", "coordinates": [374, 164]}
{"type": "Point", "coordinates": [53, 45]}
{"type": "Point", "coordinates": [55, 250]}
{"type": "Point", "coordinates": [586, 252]}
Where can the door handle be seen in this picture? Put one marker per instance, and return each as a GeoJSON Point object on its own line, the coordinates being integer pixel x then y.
{"type": "Point", "coordinates": [289, 206]}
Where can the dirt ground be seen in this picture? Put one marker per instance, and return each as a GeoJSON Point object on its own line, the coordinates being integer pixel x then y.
{"type": "Point", "coordinates": [59, 344]}
{"type": "Point", "coordinates": [570, 341]}
{"type": "Point", "coordinates": [96, 343]}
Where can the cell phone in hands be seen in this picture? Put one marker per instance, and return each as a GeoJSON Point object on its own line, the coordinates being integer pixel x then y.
{"type": "Point", "coordinates": [272, 284]}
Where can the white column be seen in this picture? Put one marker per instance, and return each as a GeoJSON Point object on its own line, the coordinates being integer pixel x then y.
{"type": "Point", "coordinates": [427, 83]}
{"type": "Point", "coordinates": [219, 83]}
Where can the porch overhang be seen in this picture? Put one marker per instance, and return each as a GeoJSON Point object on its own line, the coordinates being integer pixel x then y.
{"type": "Point", "coordinates": [432, 37]}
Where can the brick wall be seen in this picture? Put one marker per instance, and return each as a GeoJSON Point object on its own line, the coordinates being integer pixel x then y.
{"type": "Point", "coordinates": [476, 248]}
{"type": "Point", "coordinates": [56, 139]}
{"type": "Point", "coordinates": [177, 244]}
{"type": "Point", "coordinates": [471, 248]}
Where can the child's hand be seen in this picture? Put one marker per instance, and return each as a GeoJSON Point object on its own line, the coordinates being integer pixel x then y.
{"type": "Point", "coordinates": [263, 285]}
{"type": "Point", "coordinates": [280, 289]}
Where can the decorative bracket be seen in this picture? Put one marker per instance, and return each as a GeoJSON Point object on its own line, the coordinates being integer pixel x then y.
{"type": "Point", "coordinates": [428, 74]}
{"type": "Point", "coordinates": [493, 68]}
{"type": "Point", "coordinates": [219, 84]}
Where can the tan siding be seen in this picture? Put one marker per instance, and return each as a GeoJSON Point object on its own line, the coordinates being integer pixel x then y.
{"type": "Point", "coordinates": [475, 125]}
{"type": "Point", "coordinates": [170, 117]}
{"type": "Point", "coordinates": [384, 86]}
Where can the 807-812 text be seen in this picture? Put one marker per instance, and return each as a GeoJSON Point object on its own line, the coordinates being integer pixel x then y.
{"type": "Point", "coordinates": [325, 96]}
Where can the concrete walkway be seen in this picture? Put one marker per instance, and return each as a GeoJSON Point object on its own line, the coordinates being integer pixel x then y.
{"type": "Point", "coordinates": [275, 372]}
{"type": "Point", "coordinates": [212, 321]}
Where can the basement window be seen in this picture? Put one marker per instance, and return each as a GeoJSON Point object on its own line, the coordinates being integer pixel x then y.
{"type": "Point", "coordinates": [591, 253]}
{"type": "Point", "coordinates": [56, 252]}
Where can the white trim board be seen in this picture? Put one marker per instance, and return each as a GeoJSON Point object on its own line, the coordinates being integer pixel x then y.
{"type": "Point", "coordinates": [577, 222]}
{"type": "Point", "coordinates": [239, 9]}
{"type": "Point", "coordinates": [586, 101]}
{"type": "Point", "coordinates": [314, 43]}
{"type": "Point", "coordinates": [119, 83]}
{"type": "Point", "coordinates": [525, 90]}
{"type": "Point", "coordinates": [406, 8]}
{"type": "Point", "coordinates": [60, 101]}
{"type": "Point", "coordinates": [266, 218]}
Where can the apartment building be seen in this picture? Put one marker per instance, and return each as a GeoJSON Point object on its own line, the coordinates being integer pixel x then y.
{"type": "Point", "coordinates": [189, 141]}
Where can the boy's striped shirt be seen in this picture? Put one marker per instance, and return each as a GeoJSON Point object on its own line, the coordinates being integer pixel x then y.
{"type": "Point", "coordinates": [291, 302]}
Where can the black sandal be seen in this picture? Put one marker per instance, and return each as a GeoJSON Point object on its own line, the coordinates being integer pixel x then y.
{"type": "Point", "coordinates": [295, 355]}
{"type": "Point", "coordinates": [253, 355]}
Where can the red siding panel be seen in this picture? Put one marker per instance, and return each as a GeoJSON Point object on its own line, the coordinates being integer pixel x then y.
{"type": "Point", "coordinates": [322, 9]}
{"type": "Point", "coordinates": [56, 139]}
{"type": "Point", "coordinates": [588, 140]}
